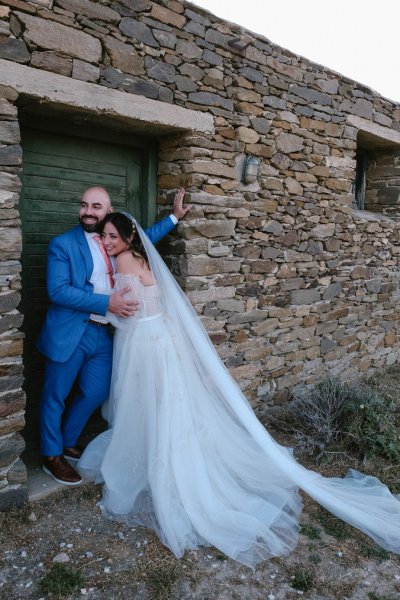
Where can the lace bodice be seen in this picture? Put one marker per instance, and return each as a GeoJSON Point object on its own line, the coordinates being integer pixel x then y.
{"type": "Point", "coordinates": [147, 295]}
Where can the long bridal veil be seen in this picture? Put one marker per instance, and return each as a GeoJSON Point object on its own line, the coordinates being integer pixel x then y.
{"type": "Point", "coordinates": [212, 474]}
{"type": "Point", "coordinates": [362, 501]}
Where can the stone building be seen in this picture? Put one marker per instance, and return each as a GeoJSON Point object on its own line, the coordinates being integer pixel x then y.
{"type": "Point", "coordinates": [295, 275]}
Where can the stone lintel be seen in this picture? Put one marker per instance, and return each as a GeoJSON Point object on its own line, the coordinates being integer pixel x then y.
{"type": "Point", "coordinates": [374, 135]}
{"type": "Point", "coordinates": [151, 115]}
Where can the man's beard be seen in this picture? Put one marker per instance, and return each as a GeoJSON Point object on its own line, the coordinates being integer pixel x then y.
{"type": "Point", "coordinates": [91, 227]}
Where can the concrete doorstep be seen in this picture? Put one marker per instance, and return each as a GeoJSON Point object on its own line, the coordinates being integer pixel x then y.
{"type": "Point", "coordinates": [40, 485]}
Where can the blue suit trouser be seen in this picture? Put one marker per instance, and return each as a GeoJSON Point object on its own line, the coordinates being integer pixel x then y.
{"type": "Point", "coordinates": [91, 362]}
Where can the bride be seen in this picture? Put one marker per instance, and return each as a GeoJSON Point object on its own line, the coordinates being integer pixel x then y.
{"type": "Point", "coordinates": [184, 453]}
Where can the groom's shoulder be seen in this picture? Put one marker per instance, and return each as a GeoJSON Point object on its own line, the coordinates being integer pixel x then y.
{"type": "Point", "coordinates": [68, 237]}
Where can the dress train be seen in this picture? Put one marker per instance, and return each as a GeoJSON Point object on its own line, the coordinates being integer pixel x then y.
{"type": "Point", "coordinates": [185, 455]}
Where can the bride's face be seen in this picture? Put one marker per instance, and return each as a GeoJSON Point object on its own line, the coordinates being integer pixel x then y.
{"type": "Point", "coordinates": [112, 241]}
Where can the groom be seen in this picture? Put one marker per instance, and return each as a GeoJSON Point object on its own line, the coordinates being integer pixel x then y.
{"type": "Point", "coordinates": [75, 338]}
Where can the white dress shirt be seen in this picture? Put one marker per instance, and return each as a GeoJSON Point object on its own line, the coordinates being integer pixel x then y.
{"type": "Point", "coordinates": [99, 278]}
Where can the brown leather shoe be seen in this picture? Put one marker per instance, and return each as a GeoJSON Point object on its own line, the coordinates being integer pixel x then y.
{"type": "Point", "coordinates": [73, 453]}
{"type": "Point", "coordinates": [60, 470]}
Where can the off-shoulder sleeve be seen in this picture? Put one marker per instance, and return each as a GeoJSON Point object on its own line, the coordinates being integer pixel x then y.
{"type": "Point", "coordinates": [123, 280]}
{"type": "Point", "coordinates": [136, 292]}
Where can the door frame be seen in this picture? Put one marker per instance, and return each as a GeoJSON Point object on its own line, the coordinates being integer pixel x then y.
{"type": "Point", "coordinates": [147, 205]}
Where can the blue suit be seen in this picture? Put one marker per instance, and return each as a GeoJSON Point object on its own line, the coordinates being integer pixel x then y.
{"type": "Point", "coordinates": [71, 346]}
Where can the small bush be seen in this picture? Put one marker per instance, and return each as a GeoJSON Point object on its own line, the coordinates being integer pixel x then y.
{"type": "Point", "coordinates": [219, 555]}
{"type": "Point", "coordinates": [374, 552]}
{"type": "Point", "coordinates": [373, 596]}
{"type": "Point", "coordinates": [333, 526]}
{"type": "Point", "coordinates": [370, 427]}
{"type": "Point", "coordinates": [359, 417]}
{"type": "Point", "coordinates": [315, 558]}
{"type": "Point", "coordinates": [161, 580]}
{"type": "Point", "coordinates": [312, 532]}
{"type": "Point", "coordinates": [302, 580]}
{"type": "Point", "coordinates": [61, 581]}
{"type": "Point", "coordinates": [314, 413]}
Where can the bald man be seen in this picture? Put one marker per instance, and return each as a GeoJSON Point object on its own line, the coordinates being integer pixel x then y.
{"type": "Point", "coordinates": [75, 338]}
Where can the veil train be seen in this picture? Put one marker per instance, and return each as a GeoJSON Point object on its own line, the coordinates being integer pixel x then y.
{"type": "Point", "coordinates": [210, 473]}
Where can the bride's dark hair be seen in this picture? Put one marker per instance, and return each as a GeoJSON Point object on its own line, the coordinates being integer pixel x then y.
{"type": "Point", "coordinates": [127, 230]}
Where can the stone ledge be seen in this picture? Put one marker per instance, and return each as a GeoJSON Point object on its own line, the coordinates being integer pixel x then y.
{"type": "Point", "coordinates": [385, 135]}
{"type": "Point", "coordinates": [365, 215]}
{"type": "Point", "coordinates": [58, 89]}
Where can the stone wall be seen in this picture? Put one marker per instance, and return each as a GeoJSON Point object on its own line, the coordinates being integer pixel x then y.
{"type": "Point", "coordinates": [288, 279]}
{"type": "Point", "coordinates": [383, 183]}
{"type": "Point", "coordinates": [12, 398]}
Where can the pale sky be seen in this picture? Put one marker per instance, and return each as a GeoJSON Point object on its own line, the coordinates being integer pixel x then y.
{"type": "Point", "coordinates": [357, 38]}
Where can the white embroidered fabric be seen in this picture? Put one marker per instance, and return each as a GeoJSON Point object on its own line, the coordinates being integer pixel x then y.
{"type": "Point", "coordinates": [186, 456]}
{"type": "Point", "coordinates": [147, 296]}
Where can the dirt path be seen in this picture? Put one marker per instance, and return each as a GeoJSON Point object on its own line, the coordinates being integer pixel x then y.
{"type": "Point", "coordinates": [108, 560]}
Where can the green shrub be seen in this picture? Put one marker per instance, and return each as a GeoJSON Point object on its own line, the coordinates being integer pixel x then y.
{"type": "Point", "coordinates": [161, 580]}
{"type": "Point", "coordinates": [315, 558]}
{"type": "Point", "coordinates": [61, 580]}
{"type": "Point", "coordinates": [332, 525]}
{"type": "Point", "coordinates": [312, 532]}
{"type": "Point", "coordinates": [373, 596]}
{"type": "Point", "coordinates": [374, 552]}
{"type": "Point", "coordinates": [370, 427]}
{"type": "Point", "coordinates": [357, 416]}
{"type": "Point", "coordinates": [314, 413]}
{"type": "Point", "coordinates": [302, 580]}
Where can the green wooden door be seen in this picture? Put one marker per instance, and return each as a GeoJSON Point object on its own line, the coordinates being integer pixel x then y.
{"type": "Point", "coordinates": [56, 170]}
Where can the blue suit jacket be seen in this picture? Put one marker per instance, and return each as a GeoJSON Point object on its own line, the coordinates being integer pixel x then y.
{"type": "Point", "coordinates": [69, 268]}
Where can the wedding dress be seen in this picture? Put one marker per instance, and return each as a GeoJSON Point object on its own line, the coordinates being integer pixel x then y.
{"type": "Point", "coordinates": [186, 456]}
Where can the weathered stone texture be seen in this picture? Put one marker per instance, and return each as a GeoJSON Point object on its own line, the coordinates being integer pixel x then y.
{"type": "Point", "coordinates": [9, 132]}
{"type": "Point", "coordinates": [11, 403]}
{"type": "Point", "coordinates": [287, 143]}
{"type": "Point", "coordinates": [135, 5]}
{"type": "Point", "coordinates": [17, 473]}
{"type": "Point", "coordinates": [55, 36]}
{"type": "Point", "coordinates": [14, 50]}
{"type": "Point", "coordinates": [11, 446]}
{"type": "Point", "coordinates": [93, 10]}
{"type": "Point", "coordinates": [85, 71]}
{"type": "Point", "coordinates": [10, 155]}
{"type": "Point", "coordinates": [159, 70]}
{"type": "Point", "coordinates": [50, 61]}
{"type": "Point", "coordinates": [167, 16]}
{"type": "Point", "coordinates": [124, 56]}
{"type": "Point", "coordinates": [210, 229]}
{"type": "Point", "coordinates": [139, 31]}
{"type": "Point", "coordinates": [10, 247]}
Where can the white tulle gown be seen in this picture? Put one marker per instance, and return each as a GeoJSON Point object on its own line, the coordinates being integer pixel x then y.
{"type": "Point", "coordinates": [185, 455]}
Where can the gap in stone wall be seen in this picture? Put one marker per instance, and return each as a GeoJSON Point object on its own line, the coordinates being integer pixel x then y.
{"type": "Point", "coordinates": [377, 182]}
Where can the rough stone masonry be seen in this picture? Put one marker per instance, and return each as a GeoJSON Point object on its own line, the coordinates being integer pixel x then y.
{"type": "Point", "coordinates": [290, 280]}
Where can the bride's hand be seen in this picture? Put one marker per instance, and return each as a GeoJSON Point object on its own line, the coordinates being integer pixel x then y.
{"type": "Point", "coordinates": [121, 306]}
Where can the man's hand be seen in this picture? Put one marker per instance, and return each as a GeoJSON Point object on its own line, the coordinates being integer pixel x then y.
{"type": "Point", "coordinates": [122, 306]}
{"type": "Point", "coordinates": [178, 209]}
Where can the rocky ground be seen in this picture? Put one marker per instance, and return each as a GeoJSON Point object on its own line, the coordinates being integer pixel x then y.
{"type": "Point", "coordinates": [63, 547]}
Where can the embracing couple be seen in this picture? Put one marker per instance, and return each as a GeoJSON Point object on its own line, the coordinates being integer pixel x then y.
{"type": "Point", "coordinates": [76, 338]}
{"type": "Point", "coordinates": [184, 453]}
